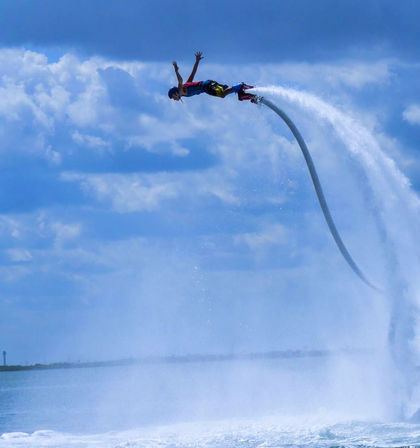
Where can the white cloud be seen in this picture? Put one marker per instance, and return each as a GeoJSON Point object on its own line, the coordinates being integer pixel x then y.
{"type": "Point", "coordinates": [412, 114]}
{"type": "Point", "coordinates": [86, 110]}
{"type": "Point", "coordinates": [147, 192]}
{"type": "Point", "coordinates": [16, 104]}
{"type": "Point", "coordinates": [127, 193]}
{"type": "Point", "coordinates": [269, 236]}
{"type": "Point", "coordinates": [10, 227]}
{"type": "Point", "coordinates": [91, 141]}
{"type": "Point", "coordinates": [65, 231]}
{"type": "Point", "coordinates": [19, 255]}
{"type": "Point", "coordinates": [48, 227]}
{"type": "Point", "coordinates": [53, 101]}
{"type": "Point", "coordinates": [53, 156]}
{"type": "Point", "coordinates": [351, 73]}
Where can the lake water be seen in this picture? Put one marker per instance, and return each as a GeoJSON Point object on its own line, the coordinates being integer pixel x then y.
{"type": "Point", "coordinates": [272, 403]}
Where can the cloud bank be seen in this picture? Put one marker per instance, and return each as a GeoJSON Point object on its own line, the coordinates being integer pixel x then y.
{"type": "Point", "coordinates": [121, 209]}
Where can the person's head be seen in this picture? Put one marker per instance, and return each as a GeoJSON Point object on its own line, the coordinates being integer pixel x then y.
{"type": "Point", "coordinates": [173, 93]}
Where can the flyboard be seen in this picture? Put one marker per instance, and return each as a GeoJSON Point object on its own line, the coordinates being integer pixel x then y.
{"type": "Point", "coordinates": [256, 99]}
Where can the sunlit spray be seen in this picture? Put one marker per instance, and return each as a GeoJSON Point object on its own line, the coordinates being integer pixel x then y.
{"type": "Point", "coordinates": [396, 213]}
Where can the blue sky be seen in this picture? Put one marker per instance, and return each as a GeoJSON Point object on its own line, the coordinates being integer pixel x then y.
{"type": "Point", "coordinates": [236, 31]}
{"type": "Point", "coordinates": [130, 224]}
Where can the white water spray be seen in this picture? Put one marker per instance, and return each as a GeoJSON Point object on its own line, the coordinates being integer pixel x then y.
{"type": "Point", "coordinates": [396, 214]}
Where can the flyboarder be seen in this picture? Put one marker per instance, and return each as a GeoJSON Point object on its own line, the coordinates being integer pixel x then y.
{"type": "Point", "coordinates": [213, 88]}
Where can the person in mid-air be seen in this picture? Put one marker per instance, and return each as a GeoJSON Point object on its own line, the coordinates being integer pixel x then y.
{"type": "Point", "coordinates": [191, 88]}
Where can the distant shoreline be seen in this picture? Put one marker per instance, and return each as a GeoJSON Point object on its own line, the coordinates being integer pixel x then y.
{"type": "Point", "coordinates": [276, 354]}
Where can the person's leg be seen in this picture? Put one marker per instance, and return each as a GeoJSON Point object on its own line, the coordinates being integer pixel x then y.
{"type": "Point", "coordinates": [234, 89]}
{"type": "Point", "coordinates": [213, 88]}
{"type": "Point", "coordinates": [238, 87]}
{"type": "Point", "coordinates": [226, 92]}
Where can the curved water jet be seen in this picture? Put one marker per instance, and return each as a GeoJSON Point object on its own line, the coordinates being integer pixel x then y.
{"type": "Point", "coordinates": [318, 189]}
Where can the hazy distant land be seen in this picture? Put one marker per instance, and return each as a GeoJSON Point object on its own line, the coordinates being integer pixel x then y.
{"type": "Point", "coordinates": [276, 354]}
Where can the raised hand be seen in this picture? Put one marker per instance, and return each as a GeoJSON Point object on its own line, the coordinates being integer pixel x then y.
{"type": "Point", "coordinates": [198, 55]}
{"type": "Point", "coordinates": [175, 65]}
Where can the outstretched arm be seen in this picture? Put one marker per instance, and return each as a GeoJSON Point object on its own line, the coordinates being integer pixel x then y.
{"type": "Point", "coordinates": [179, 77]}
{"type": "Point", "coordinates": [198, 57]}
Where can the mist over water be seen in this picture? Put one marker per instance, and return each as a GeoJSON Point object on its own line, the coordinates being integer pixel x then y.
{"type": "Point", "coordinates": [241, 404]}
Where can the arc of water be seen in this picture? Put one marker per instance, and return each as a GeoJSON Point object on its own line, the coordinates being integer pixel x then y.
{"type": "Point", "coordinates": [318, 190]}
